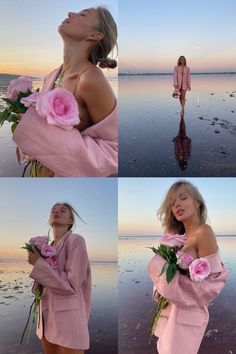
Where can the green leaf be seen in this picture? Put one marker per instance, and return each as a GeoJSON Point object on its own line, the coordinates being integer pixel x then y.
{"type": "Point", "coordinates": [170, 273]}
{"type": "Point", "coordinates": [164, 268]}
{"type": "Point", "coordinates": [13, 127]}
{"type": "Point", "coordinates": [4, 116]}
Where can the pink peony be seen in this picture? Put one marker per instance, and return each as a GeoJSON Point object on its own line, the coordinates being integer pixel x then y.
{"type": "Point", "coordinates": [199, 269]}
{"type": "Point", "coordinates": [59, 107]}
{"type": "Point", "coordinates": [173, 240]}
{"type": "Point", "coordinates": [27, 101]}
{"type": "Point", "coordinates": [21, 84]}
{"type": "Point", "coordinates": [53, 263]}
{"type": "Point", "coordinates": [184, 259]}
{"type": "Point", "coordinates": [48, 251]}
{"type": "Point", "coordinates": [38, 241]}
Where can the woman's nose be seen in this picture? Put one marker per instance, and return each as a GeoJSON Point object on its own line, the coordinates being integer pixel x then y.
{"type": "Point", "coordinates": [70, 14]}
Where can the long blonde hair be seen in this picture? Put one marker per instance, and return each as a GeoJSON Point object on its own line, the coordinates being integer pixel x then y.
{"type": "Point", "coordinates": [169, 222]}
{"type": "Point", "coordinates": [107, 26]}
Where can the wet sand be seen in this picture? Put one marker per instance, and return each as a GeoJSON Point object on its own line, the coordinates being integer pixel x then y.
{"type": "Point", "coordinates": [155, 142]}
{"type": "Point", "coordinates": [16, 298]}
{"type": "Point", "coordinates": [135, 289]}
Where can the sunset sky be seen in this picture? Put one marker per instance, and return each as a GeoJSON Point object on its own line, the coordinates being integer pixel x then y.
{"type": "Point", "coordinates": [30, 43]}
{"type": "Point", "coordinates": [25, 205]}
{"type": "Point", "coordinates": [153, 34]}
{"type": "Point", "coordinates": [139, 199]}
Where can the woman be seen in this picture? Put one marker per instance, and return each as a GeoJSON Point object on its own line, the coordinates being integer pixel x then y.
{"type": "Point", "coordinates": [182, 80]}
{"type": "Point", "coordinates": [65, 305]}
{"type": "Point", "coordinates": [89, 149]}
{"type": "Point", "coordinates": [183, 322]}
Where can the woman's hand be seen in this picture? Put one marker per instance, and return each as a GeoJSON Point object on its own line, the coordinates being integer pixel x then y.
{"type": "Point", "coordinates": [33, 257]}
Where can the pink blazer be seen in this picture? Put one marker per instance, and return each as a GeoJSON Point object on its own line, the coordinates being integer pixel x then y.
{"type": "Point", "coordinates": [180, 80]}
{"type": "Point", "coordinates": [90, 153]}
{"type": "Point", "coordinates": [65, 304]}
{"type": "Point", "coordinates": [183, 322]}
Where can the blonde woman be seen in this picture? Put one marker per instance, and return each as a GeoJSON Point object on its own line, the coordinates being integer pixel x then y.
{"type": "Point", "coordinates": [182, 80]}
{"type": "Point", "coordinates": [65, 305]}
{"type": "Point", "coordinates": [183, 322]}
{"type": "Point", "coordinates": [90, 149]}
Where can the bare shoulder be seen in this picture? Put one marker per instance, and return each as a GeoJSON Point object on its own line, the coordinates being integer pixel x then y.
{"type": "Point", "coordinates": [93, 79]}
{"type": "Point", "coordinates": [96, 92]}
{"type": "Point", "coordinates": [206, 240]}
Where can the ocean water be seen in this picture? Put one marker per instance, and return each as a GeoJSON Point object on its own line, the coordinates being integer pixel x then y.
{"type": "Point", "coordinates": [154, 141]}
{"type": "Point", "coordinates": [16, 298]}
{"type": "Point", "coordinates": [135, 299]}
{"type": "Point", "coordinates": [9, 166]}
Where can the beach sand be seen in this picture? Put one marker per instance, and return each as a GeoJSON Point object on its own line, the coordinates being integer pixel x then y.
{"type": "Point", "coordinates": [16, 297]}
{"type": "Point", "coordinates": [155, 142]}
{"type": "Point", "coordinates": [135, 293]}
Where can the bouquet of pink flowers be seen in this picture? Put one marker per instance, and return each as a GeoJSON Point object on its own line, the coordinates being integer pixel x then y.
{"type": "Point", "coordinates": [17, 90]}
{"type": "Point", "coordinates": [176, 93]}
{"type": "Point", "coordinates": [48, 252]}
{"type": "Point", "coordinates": [170, 249]}
{"type": "Point", "coordinates": [58, 106]}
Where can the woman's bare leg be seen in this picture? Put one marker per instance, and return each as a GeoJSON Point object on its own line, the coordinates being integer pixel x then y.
{"type": "Point", "coordinates": [64, 350]}
{"type": "Point", "coordinates": [49, 348]}
{"type": "Point", "coordinates": [182, 101]}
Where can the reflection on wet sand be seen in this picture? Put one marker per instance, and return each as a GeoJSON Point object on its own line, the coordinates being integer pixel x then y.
{"type": "Point", "coordinates": [149, 119]}
{"type": "Point", "coordinates": [182, 145]}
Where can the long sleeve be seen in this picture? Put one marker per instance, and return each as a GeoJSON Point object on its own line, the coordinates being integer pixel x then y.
{"type": "Point", "coordinates": [175, 77]}
{"type": "Point", "coordinates": [184, 292]}
{"type": "Point", "coordinates": [92, 153]}
{"type": "Point", "coordinates": [76, 272]}
{"type": "Point", "coordinates": [189, 80]}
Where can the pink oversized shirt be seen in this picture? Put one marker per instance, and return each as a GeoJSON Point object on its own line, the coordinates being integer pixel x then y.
{"type": "Point", "coordinates": [90, 153]}
{"type": "Point", "coordinates": [183, 322]}
{"type": "Point", "coordinates": [182, 80]}
{"type": "Point", "coordinates": [65, 304]}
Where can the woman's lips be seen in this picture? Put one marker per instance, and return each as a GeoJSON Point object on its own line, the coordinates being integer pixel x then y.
{"type": "Point", "coordinates": [66, 21]}
{"type": "Point", "coordinates": [179, 212]}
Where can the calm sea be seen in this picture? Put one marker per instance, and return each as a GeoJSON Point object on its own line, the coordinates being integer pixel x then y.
{"type": "Point", "coordinates": [8, 164]}
{"type": "Point", "coordinates": [16, 298]}
{"type": "Point", "coordinates": [154, 141]}
{"type": "Point", "coordinates": [135, 299]}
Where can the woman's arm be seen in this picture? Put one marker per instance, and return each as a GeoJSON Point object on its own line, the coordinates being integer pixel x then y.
{"type": "Point", "coordinates": [69, 281]}
{"type": "Point", "coordinates": [189, 80]}
{"type": "Point", "coordinates": [175, 78]}
{"type": "Point", "coordinates": [184, 292]}
{"type": "Point", "coordinates": [70, 153]}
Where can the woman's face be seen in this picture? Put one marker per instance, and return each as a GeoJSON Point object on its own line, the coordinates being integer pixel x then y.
{"type": "Point", "coordinates": [79, 25]}
{"type": "Point", "coordinates": [183, 206]}
{"type": "Point", "coordinates": [182, 60]}
{"type": "Point", "coordinates": [60, 216]}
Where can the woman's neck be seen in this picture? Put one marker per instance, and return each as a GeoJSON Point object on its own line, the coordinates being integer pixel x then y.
{"type": "Point", "coordinates": [75, 56]}
{"type": "Point", "coordinates": [58, 232]}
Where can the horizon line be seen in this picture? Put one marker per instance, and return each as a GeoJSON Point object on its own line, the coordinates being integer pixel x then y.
{"type": "Point", "coordinates": [171, 73]}
{"type": "Point", "coordinates": [160, 235]}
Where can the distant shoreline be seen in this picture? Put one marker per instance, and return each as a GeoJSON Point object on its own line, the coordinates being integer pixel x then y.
{"type": "Point", "coordinates": [168, 74]}
{"type": "Point", "coordinates": [158, 236]}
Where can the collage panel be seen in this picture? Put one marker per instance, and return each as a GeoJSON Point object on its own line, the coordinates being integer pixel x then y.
{"type": "Point", "coordinates": [143, 262]}
{"type": "Point", "coordinates": [59, 89]}
{"type": "Point", "coordinates": [177, 89]}
{"type": "Point", "coordinates": [71, 227]}
{"type": "Point", "coordinates": [188, 307]}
